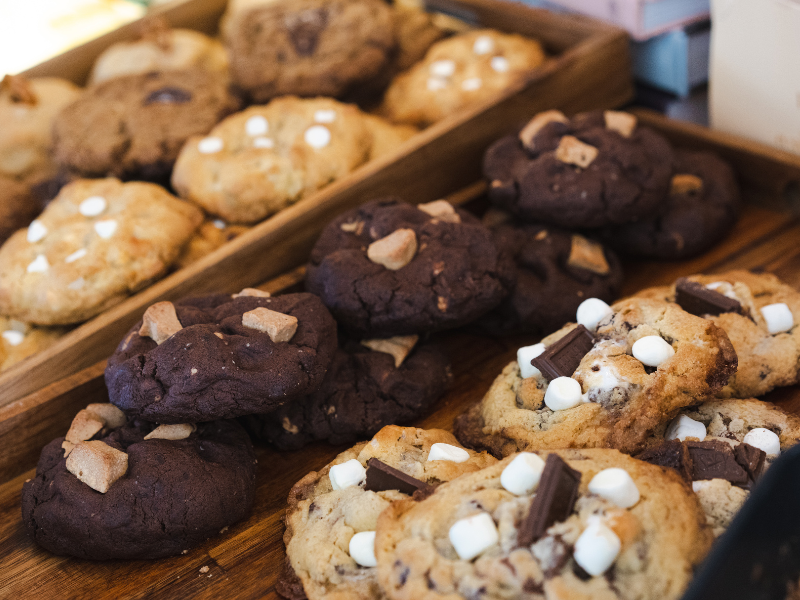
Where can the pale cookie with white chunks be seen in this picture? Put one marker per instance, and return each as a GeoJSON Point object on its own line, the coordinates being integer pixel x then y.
{"type": "Point", "coordinates": [96, 243]}
{"type": "Point", "coordinates": [761, 323]}
{"type": "Point", "coordinates": [258, 161]}
{"type": "Point", "coordinates": [221, 356]}
{"type": "Point", "coordinates": [597, 169]}
{"type": "Point", "coordinates": [460, 72]}
{"type": "Point", "coordinates": [212, 234]}
{"type": "Point", "coordinates": [612, 388]}
{"type": "Point", "coordinates": [20, 340]}
{"type": "Point", "coordinates": [589, 524]}
{"type": "Point", "coordinates": [329, 508]}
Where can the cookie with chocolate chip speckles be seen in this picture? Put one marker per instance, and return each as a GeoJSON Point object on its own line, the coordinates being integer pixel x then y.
{"type": "Point", "coordinates": [327, 508]}
{"type": "Point", "coordinates": [611, 392]}
{"type": "Point", "coordinates": [99, 241]}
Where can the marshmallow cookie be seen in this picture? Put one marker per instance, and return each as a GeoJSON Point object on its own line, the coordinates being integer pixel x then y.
{"type": "Point", "coordinates": [758, 312]}
{"type": "Point", "coordinates": [332, 513]}
{"type": "Point", "coordinates": [608, 381]}
{"type": "Point", "coordinates": [598, 169]}
{"type": "Point", "coordinates": [389, 268]}
{"type": "Point", "coordinates": [590, 524]}
{"type": "Point", "coordinates": [368, 385]}
{"type": "Point", "coordinates": [98, 242]}
{"type": "Point", "coordinates": [221, 356]}
{"type": "Point", "coordinates": [118, 489]}
{"type": "Point", "coordinates": [133, 127]}
{"type": "Point", "coordinates": [459, 72]}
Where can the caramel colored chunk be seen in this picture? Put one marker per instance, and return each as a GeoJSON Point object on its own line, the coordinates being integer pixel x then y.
{"type": "Point", "coordinates": [442, 210]}
{"type": "Point", "coordinates": [353, 227]}
{"type": "Point", "coordinates": [109, 414]}
{"type": "Point", "coordinates": [399, 346]}
{"type": "Point", "coordinates": [537, 123]}
{"type": "Point", "coordinates": [621, 122]}
{"type": "Point", "coordinates": [97, 464]}
{"type": "Point", "coordinates": [278, 326]}
{"type": "Point", "coordinates": [589, 255]}
{"type": "Point", "coordinates": [395, 250]}
{"type": "Point", "coordinates": [683, 183]}
{"type": "Point", "coordinates": [160, 322]}
{"type": "Point", "coordinates": [178, 431]}
{"type": "Point", "coordinates": [252, 292]}
{"type": "Point", "coordinates": [572, 151]}
{"type": "Point", "coordinates": [84, 427]}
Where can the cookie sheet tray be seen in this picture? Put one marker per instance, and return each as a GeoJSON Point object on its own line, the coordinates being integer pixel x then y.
{"type": "Point", "coordinates": [246, 561]}
{"type": "Point", "coordinates": [590, 69]}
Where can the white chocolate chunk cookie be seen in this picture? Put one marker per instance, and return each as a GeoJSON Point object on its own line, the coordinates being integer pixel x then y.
{"type": "Point", "coordinates": [20, 340]}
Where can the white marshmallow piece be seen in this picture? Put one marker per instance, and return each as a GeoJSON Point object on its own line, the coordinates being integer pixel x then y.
{"type": "Point", "coordinates": [317, 136]}
{"type": "Point", "coordinates": [347, 474]}
{"type": "Point", "coordinates": [500, 64]}
{"type": "Point", "coordinates": [256, 125]}
{"type": "Point", "coordinates": [615, 485]}
{"type": "Point", "coordinates": [80, 253]}
{"type": "Point", "coordinates": [219, 223]}
{"type": "Point", "coordinates": [443, 68]}
{"type": "Point", "coordinates": [93, 206]}
{"type": "Point", "coordinates": [14, 338]}
{"type": "Point", "coordinates": [263, 142]}
{"type": "Point", "coordinates": [106, 228]}
{"type": "Point", "coordinates": [36, 231]}
{"type": "Point", "coordinates": [778, 317]}
{"type": "Point", "coordinates": [563, 393]}
{"type": "Point", "coordinates": [473, 535]}
{"type": "Point", "coordinates": [524, 357]}
{"type": "Point", "coordinates": [483, 45]}
{"type": "Point", "coordinates": [591, 312]}
{"type": "Point", "coordinates": [597, 548]}
{"type": "Point", "coordinates": [683, 427]}
{"type": "Point", "coordinates": [362, 548]}
{"type": "Point", "coordinates": [325, 116]}
{"type": "Point", "coordinates": [471, 84]}
{"type": "Point", "coordinates": [521, 476]}
{"type": "Point", "coordinates": [652, 350]}
{"type": "Point", "coordinates": [442, 451]}
{"type": "Point", "coordinates": [39, 265]}
{"type": "Point", "coordinates": [210, 145]}
{"type": "Point", "coordinates": [760, 438]}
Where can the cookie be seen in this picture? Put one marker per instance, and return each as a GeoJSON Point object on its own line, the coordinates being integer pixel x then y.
{"type": "Point", "coordinates": [604, 394]}
{"type": "Point", "coordinates": [321, 520]}
{"type": "Point", "coordinates": [133, 127]}
{"type": "Point", "coordinates": [462, 71]}
{"type": "Point", "coordinates": [212, 234]}
{"type": "Point", "coordinates": [448, 271]}
{"type": "Point", "coordinates": [18, 207]}
{"type": "Point", "coordinates": [20, 340]}
{"type": "Point", "coordinates": [556, 270]}
{"type": "Point", "coordinates": [474, 538]}
{"type": "Point", "coordinates": [221, 356]}
{"type": "Point", "coordinates": [98, 242]}
{"type": "Point", "coordinates": [363, 391]}
{"type": "Point", "coordinates": [702, 207]}
{"type": "Point", "coordinates": [386, 137]}
{"type": "Point", "coordinates": [308, 47]}
{"type": "Point", "coordinates": [27, 111]}
{"type": "Point", "coordinates": [598, 169]}
{"type": "Point", "coordinates": [172, 495]}
{"type": "Point", "coordinates": [767, 359]}
{"type": "Point", "coordinates": [265, 158]}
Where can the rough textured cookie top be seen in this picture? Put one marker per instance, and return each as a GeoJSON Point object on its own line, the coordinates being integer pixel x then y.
{"type": "Point", "coordinates": [215, 367]}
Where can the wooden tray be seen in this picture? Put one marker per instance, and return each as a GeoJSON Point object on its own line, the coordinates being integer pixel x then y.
{"type": "Point", "coordinates": [246, 561]}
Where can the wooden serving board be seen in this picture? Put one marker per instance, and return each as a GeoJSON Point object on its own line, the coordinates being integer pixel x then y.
{"type": "Point", "coordinates": [245, 561]}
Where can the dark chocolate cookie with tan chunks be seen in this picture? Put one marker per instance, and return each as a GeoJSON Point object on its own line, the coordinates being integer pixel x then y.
{"type": "Point", "coordinates": [702, 207]}
{"type": "Point", "coordinates": [132, 490]}
{"type": "Point", "coordinates": [598, 169]}
{"type": "Point", "coordinates": [133, 127]}
{"type": "Point", "coordinates": [368, 385]}
{"type": "Point", "coordinates": [218, 357]}
{"type": "Point", "coordinates": [389, 268]}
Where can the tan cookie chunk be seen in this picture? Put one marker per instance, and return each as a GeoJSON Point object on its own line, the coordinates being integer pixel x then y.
{"type": "Point", "coordinates": [614, 398]}
{"type": "Point", "coordinates": [96, 243]}
{"type": "Point", "coordinates": [177, 431]}
{"type": "Point", "coordinates": [97, 464]}
{"type": "Point", "coordinates": [458, 72]}
{"type": "Point", "coordinates": [212, 234]}
{"type": "Point", "coordinates": [321, 520]}
{"type": "Point", "coordinates": [399, 346]}
{"type": "Point", "coordinates": [279, 327]}
{"type": "Point", "coordinates": [467, 539]}
{"type": "Point", "coordinates": [160, 322]}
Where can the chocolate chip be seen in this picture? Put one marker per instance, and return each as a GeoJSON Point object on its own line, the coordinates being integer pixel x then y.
{"type": "Point", "coordinates": [672, 454]}
{"type": "Point", "coordinates": [382, 477]}
{"type": "Point", "coordinates": [697, 299]}
{"type": "Point", "coordinates": [715, 460]}
{"type": "Point", "coordinates": [168, 95]}
{"type": "Point", "coordinates": [751, 459]}
{"type": "Point", "coordinates": [304, 29]}
{"type": "Point", "coordinates": [553, 502]}
{"type": "Point", "coordinates": [580, 573]}
{"type": "Point", "coordinates": [562, 358]}
{"type": "Point", "coordinates": [532, 587]}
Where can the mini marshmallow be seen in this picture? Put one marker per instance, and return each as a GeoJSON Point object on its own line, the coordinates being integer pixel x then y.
{"type": "Point", "coordinates": [563, 393]}
{"type": "Point", "coordinates": [500, 64]}
{"type": "Point", "coordinates": [362, 548]}
{"type": "Point", "coordinates": [471, 84]}
{"type": "Point", "coordinates": [483, 45]}
{"type": "Point", "coordinates": [764, 439]}
{"type": "Point", "coordinates": [395, 250]}
{"type": "Point", "coordinates": [210, 145]}
{"type": "Point", "coordinates": [278, 326]}
{"type": "Point", "coordinates": [443, 68]}
{"type": "Point", "coordinates": [325, 116]}
{"type": "Point", "coordinates": [591, 311]}
{"type": "Point", "coordinates": [778, 317]}
{"type": "Point", "coordinates": [524, 357]}
{"type": "Point", "coordinates": [39, 265]}
{"type": "Point", "coordinates": [177, 431]}
{"type": "Point", "coordinates": [106, 228]}
{"type": "Point", "coordinates": [13, 338]}
{"type": "Point", "coordinates": [317, 136]}
{"type": "Point", "coordinates": [442, 210]}
{"type": "Point", "coordinates": [441, 451]}
{"type": "Point", "coordinates": [473, 535]}
{"type": "Point", "coordinates": [347, 474]}
{"type": "Point", "coordinates": [75, 255]}
{"type": "Point", "coordinates": [597, 548]}
{"type": "Point", "coordinates": [683, 427]}
{"type": "Point", "coordinates": [256, 125]}
{"type": "Point", "coordinates": [219, 223]}
{"type": "Point", "coordinates": [652, 350]}
{"type": "Point", "coordinates": [93, 206]}
{"type": "Point", "coordinates": [36, 231]}
{"type": "Point", "coordinates": [521, 476]}
{"type": "Point", "coordinates": [615, 485]}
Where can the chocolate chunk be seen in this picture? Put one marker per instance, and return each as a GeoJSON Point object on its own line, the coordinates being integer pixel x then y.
{"type": "Point", "coordinates": [697, 299]}
{"type": "Point", "coordinates": [168, 95]}
{"type": "Point", "coordinates": [553, 502]}
{"type": "Point", "coordinates": [382, 477]}
{"type": "Point", "coordinates": [715, 460]}
{"type": "Point", "coordinates": [751, 459]}
{"type": "Point", "coordinates": [562, 358]}
{"type": "Point", "coordinates": [672, 454]}
{"type": "Point", "coordinates": [304, 29]}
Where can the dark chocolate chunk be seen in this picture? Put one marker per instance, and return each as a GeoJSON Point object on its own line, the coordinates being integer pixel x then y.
{"type": "Point", "coordinates": [715, 460]}
{"type": "Point", "coordinates": [304, 29]}
{"type": "Point", "coordinates": [672, 454]}
{"type": "Point", "coordinates": [751, 459]}
{"type": "Point", "coordinates": [562, 358]}
{"type": "Point", "coordinates": [553, 502]}
{"type": "Point", "coordinates": [168, 95]}
{"type": "Point", "coordinates": [382, 477]}
{"type": "Point", "coordinates": [697, 299]}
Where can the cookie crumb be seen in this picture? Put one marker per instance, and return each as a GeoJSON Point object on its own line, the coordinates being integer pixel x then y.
{"type": "Point", "coordinates": [204, 569]}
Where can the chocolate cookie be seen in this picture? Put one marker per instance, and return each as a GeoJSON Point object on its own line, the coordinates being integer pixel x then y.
{"type": "Point", "coordinates": [702, 206]}
{"type": "Point", "coordinates": [219, 356]}
{"type": "Point", "coordinates": [389, 268]}
{"type": "Point", "coordinates": [598, 169]}
{"type": "Point", "coordinates": [133, 127]}
{"type": "Point", "coordinates": [362, 391]}
{"type": "Point", "coordinates": [172, 495]}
